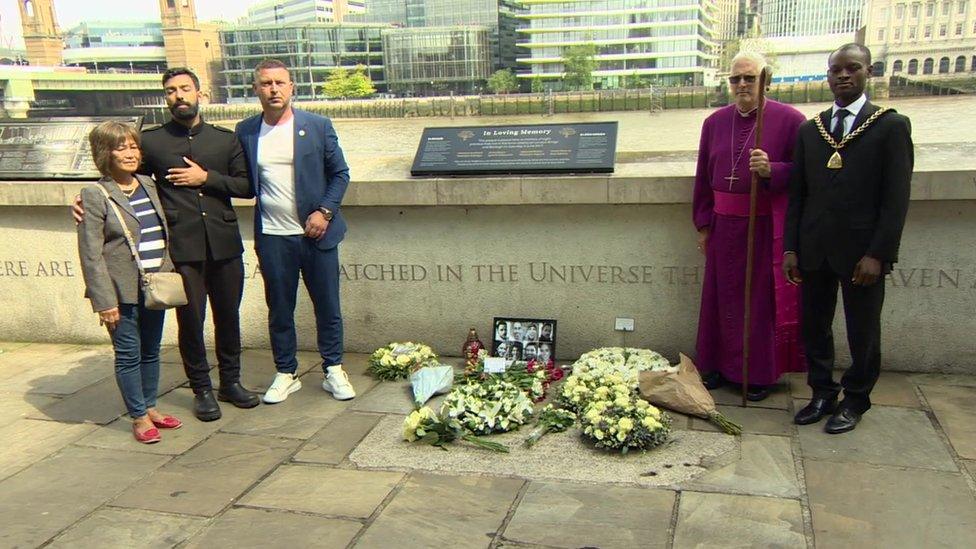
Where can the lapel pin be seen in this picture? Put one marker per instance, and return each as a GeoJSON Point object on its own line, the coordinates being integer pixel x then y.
{"type": "Point", "coordinates": [301, 133]}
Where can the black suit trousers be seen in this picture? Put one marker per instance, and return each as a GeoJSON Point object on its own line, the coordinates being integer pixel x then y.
{"type": "Point", "coordinates": [223, 282]}
{"type": "Point", "coordinates": [862, 312]}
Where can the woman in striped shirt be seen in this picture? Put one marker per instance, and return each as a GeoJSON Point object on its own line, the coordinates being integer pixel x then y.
{"type": "Point", "coordinates": [112, 279]}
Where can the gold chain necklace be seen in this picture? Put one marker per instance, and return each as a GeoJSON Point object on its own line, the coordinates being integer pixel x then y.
{"type": "Point", "coordinates": [836, 162]}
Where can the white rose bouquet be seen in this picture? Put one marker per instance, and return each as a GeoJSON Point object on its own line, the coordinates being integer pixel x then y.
{"type": "Point", "coordinates": [489, 406]}
{"type": "Point", "coordinates": [426, 426]}
{"type": "Point", "coordinates": [398, 360]}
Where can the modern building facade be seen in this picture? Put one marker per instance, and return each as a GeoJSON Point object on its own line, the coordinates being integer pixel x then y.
{"type": "Point", "coordinates": [435, 60]}
{"type": "Point", "coordinates": [922, 38]}
{"type": "Point", "coordinates": [500, 17]}
{"type": "Point", "coordinates": [668, 42]}
{"type": "Point", "coordinates": [113, 45]}
{"type": "Point", "coordinates": [311, 51]}
{"type": "Point", "coordinates": [288, 12]}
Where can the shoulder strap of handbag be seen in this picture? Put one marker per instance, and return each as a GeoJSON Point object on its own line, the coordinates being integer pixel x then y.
{"type": "Point", "coordinates": [125, 229]}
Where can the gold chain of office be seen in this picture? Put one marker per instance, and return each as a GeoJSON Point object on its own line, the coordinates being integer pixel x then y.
{"type": "Point", "coordinates": [836, 162]}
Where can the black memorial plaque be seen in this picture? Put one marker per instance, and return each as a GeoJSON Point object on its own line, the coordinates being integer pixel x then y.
{"type": "Point", "coordinates": [586, 147]}
{"type": "Point", "coordinates": [51, 148]}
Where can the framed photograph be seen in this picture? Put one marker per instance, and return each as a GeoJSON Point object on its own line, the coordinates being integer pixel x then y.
{"type": "Point", "coordinates": [524, 339]}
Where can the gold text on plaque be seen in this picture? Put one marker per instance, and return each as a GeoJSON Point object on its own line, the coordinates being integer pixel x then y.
{"type": "Point", "coordinates": [836, 162]}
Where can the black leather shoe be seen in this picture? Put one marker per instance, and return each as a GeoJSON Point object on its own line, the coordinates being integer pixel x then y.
{"type": "Point", "coordinates": [236, 394]}
{"type": "Point", "coordinates": [755, 393]}
{"type": "Point", "coordinates": [205, 406]}
{"type": "Point", "coordinates": [813, 412]}
{"type": "Point", "coordinates": [843, 421]}
{"type": "Point", "coordinates": [712, 380]}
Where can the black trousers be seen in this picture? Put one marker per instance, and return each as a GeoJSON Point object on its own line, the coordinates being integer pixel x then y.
{"type": "Point", "coordinates": [222, 281]}
{"type": "Point", "coordinates": [862, 312]}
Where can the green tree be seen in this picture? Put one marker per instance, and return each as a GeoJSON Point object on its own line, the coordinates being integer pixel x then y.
{"type": "Point", "coordinates": [537, 86]}
{"type": "Point", "coordinates": [578, 66]}
{"type": "Point", "coordinates": [503, 81]}
{"type": "Point", "coordinates": [342, 85]}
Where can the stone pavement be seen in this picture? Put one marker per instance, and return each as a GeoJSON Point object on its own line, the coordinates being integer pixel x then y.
{"type": "Point", "coordinates": [72, 476]}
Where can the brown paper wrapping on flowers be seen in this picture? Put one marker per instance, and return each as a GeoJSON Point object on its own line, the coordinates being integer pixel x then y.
{"type": "Point", "coordinates": [683, 392]}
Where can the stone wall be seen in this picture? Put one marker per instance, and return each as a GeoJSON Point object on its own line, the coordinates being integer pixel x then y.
{"type": "Point", "coordinates": [429, 272]}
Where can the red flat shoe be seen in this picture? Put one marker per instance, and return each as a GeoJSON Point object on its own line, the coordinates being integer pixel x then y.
{"type": "Point", "coordinates": [149, 436]}
{"type": "Point", "coordinates": [168, 422]}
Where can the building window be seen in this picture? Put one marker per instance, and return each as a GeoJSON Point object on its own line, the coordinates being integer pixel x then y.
{"type": "Point", "coordinates": [928, 66]}
{"type": "Point", "coordinates": [900, 11]}
{"type": "Point", "coordinates": [945, 8]}
{"type": "Point", "coordinates": [915, 11]}
{"type": "Point", "coordinates": [962, 7]}
{"type": "Point", "coordinates": [943, 65]}
{"type": "Point", "coordinates": [884, 14]}
{"type": "Point", "coordinates": [972, 67]}
{"type": "Point", "coordinates": [912, 33]}
{"type": "Point", "coordinates": [878, 68]}
{"type": "Point", "coordinates": [881, 34]}
{"type": "Point", "coordinates": [943, 30]}
{"type": "Point", "coordinates": [913, 66]}
{"type": "Point", "coordinates": [930, 9]}
{"type": "Point", "coordinates": [897, 34]}
{"type": "Point", "coordinates": [958, 29]}
{"type": "Point", "coordinates": [928, 31]}
{"type": "Point", "coordinates": [897, 67]}
{"type": "Point", "coordinates": [961, 63]}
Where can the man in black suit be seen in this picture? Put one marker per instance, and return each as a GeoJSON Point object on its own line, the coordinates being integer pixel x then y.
{"type": "Point", "coordinates": [849, 195]}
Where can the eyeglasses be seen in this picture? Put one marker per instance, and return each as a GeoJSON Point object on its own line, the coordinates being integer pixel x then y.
{"type": "Point", "coordinates": [748, 78]}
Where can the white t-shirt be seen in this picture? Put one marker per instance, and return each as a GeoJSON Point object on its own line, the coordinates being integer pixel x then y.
{"type": "Point", "coordinates": [276, 172]}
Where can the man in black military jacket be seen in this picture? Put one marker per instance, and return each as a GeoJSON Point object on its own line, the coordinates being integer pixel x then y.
{"type": "Point", "coordinates": [849, 196]}
{"type": "Point", "coordinates": [198, 168]}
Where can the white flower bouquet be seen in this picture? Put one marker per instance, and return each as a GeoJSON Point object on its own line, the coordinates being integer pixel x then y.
{"type": "Point", "coordinates": [489, 406]}
{"type": "Point", "coordinates": [426, 426]}
{"type": "Point", "coordinates": [550, 420]}
{"type": "Point", "coordinates": [397, 360]}
{"type": "Point", "coordinates": [626, 361]}
{"type": "Point", "coordinates": [534, 381]}
{"type": "Point", "coordinates": [616, 419]}
{"type": "Point", "coordinates": [430, 379]}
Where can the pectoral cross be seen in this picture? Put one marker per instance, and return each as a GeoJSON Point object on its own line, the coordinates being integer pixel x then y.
{"type": "Point", "coordinates": [731, 179]}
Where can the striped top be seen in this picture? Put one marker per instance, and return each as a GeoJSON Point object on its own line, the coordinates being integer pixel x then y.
{"type": "Point", "coordinates": [152, 240]}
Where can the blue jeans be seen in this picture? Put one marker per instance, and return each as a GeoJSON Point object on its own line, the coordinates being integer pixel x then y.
{"type": "Point", "coordinates": [136, 340]}
{"type": "Point", "coordinates": [282, 258]}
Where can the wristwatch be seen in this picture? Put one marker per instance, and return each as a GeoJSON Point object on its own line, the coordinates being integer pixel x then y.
{"type": "Point", "coordinates": [326, 213]}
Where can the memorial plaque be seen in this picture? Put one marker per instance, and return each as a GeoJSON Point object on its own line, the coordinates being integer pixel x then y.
{"type": "Point", "coordinates": [585, 147]}
{"type": "Point", "coordinates": [51, 148]}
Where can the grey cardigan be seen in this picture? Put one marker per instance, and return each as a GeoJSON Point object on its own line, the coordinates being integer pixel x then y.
{"type": "Point", "coordinates": [111, 273]}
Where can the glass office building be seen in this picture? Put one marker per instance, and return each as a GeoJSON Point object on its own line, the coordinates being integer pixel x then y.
{"type": "Point", "coordinates": [668, 42]}
{"type": "Point", "coordinates": [286, 12]}
{"type": "Point", "coordinates": [436, 60]}
{"type": "Point", "coordinates": [107, 45]}
{"type": "Point", "coordinates": [311, 51]}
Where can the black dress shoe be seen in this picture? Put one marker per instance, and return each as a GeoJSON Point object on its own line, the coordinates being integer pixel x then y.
{"type": "Point", "coordinates": [712, 380]}
{"type": "Point", "coordinates": [236, 394]}
{"type": "Point", "coordinates": [813, 412]}
{"type": "Point", "coordinates": [205, 406]}
{"type": "Point", "coordinates": [755, 393]}
{"type": "Point", "coordinates": [844, 420]}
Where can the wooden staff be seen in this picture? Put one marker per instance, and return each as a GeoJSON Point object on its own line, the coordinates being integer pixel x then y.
{"type": "Point", "coordinates": [750, 241]}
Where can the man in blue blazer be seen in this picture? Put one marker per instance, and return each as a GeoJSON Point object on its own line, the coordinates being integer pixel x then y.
{"type": "Point", "coordinates": [299, 177]}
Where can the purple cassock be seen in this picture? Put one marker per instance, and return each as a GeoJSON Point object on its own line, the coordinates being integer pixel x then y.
{"type": "Point", "coordinates": [721, 202]}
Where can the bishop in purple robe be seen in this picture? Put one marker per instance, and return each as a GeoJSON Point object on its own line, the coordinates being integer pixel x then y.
{"type": "Point", "coordinates": [726, 161]}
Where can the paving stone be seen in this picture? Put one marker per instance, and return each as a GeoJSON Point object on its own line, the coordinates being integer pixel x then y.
{"type": "Point", "coordinates": [574, 515]}
{"type": "Point", "coordinates": [731, 395]}
{"type": "Point", "coordinates": [325, 491]}
{"type": "Point", "coordinates": [209, 477]}
{"type": "Point", "coordinates": [858, 505]}
{"type": "Point", "coordinates": [892, 389]}
{"type": "Point", "coordinates": [430, 509]}
{"type": "Point", "coordinates": [389, 397]}
{"type": "Point", "coordinates": [300, 416]}
{"type": "Point", "coordinates": [179, 403]}
{"type": "Point", "coordinates": [258, 369]}
{"type": "Point", "coordinates": [112, 528]}
{"type": "Point", "coordinates": [886, 435]}
{"type": "Point", "coordinates": [953, 380]}
{"type": "Point", "coordinates": [27, 441]}
{"type": "Point", "coordinates": [11, 346]}
{"type": "Point", "coordinates": [725, 520]}
{"type": "Point", "coordinates": [14, 407]}
{"type": "Point", "coordinates": [333, 443]}
{"type": "Point", "coordinates": [955, 408]}
{"type": "Point", "coordinates": [52, 494]}
{"type": "Point", "coordinates": [101, 402]}
{"type": "Point", "coordinates": [765, 467]}
{"type": "Point", "coordinates": [971, 467]}
{"type": "Point", "coordinates": [44, 368]}
{"type": "Point", "coordinates": [260, 529]}
{"type": "Point", "coordinates": [762, 421]}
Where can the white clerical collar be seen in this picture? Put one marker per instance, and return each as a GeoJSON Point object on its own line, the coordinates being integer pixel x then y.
{"type": "Point", "coordinates": [854, 108]}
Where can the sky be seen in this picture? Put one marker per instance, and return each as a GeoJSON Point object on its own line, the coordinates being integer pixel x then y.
{"type": "Point", "coordinates": [72, 12]}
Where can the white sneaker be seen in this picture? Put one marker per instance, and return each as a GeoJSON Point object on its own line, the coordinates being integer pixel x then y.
{"type": "Point", "coordinates": [337, 382]}
{"type": "Point", "coordinates": [282, 386]}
